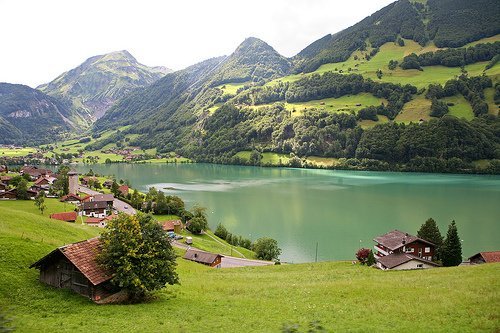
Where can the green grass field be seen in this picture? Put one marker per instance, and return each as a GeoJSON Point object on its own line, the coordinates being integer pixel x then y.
{"type": "Point", "coordinates": [341, 296]}
{"type": "Point", "coordinates": [231, 88]}
{"type": "Point", "coordinates": [16, 152]}
{"type": "Point", "coordinates": [461, 107]}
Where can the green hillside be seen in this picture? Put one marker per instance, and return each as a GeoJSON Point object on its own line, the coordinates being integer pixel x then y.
{"type": "Point", "coordinates": [340, 296]}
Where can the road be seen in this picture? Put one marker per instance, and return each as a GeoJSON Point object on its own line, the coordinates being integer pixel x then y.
{"type": "Point", "coordinates": [117, 204]}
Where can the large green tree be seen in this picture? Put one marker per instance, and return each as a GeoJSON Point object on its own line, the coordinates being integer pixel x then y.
{"type": "Point", "coordinates": [138, 252]}
{"type": "Point", "coordinates": [430, 232]}
{"type": "Point", "coordinates": [22, 190]}
{"type": "Point", "coordinates": [40, 201]}
{"type": "Point", "coordinates": [451, 253]}
{"type": "Point", "coordinates": [266, 248]}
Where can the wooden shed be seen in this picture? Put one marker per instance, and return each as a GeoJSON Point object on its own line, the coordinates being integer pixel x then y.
{"type": "Point", "coordinates": [74, 267]}
{"type": "Point", "coordinates": [202, 257]}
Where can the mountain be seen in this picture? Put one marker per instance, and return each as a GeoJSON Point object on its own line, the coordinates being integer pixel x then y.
{"type": "Point", "coordinates": [29, 116]}
{"type": "Point", "coordinates": [93, 87]}
{"type": "Point", "coordinates": [448, 23]}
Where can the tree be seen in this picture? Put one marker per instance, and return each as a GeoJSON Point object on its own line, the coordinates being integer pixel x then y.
{"type": "Point", "coordinates": [61, 185]}
{"type": "Point", "coordinates": [363, 256]}
{"type": "Point", "coordinates": [114, 188]}
{"type": "Point", "coordinates": [138, 252]}
{"type": "Point", "coordinates": [266, 248]}
{"type": "Point", "coordinates": [40, 201]}
{"type": "Point", "coordinates": [451, 253]}
{"type": "Point", "coordinates": [197, 225]}
{"type": "Point", "coordinates": [221, 231]}
{"type": "Point", "coordinates": [370, 261]}
{"type": "Point", "coordinates": [430, 232]}
{"type": "Point", "coordinates": [22, 190]}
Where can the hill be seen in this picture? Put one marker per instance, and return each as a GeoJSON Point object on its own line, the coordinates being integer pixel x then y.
{"type": "Point", "coordinates": [94, 86]}
{"type": "Point", "coordinates": [256, 299]}
{"type": "Point", "coordinates": [30, 116]}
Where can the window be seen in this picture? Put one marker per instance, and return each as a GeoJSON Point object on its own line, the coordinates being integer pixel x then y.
{"type": "Point", "coordinates": [420, 265]}
{"type": "Point", "coordinates": [427, 250]}
{"type": "Point", "coordinates": [409, 250]}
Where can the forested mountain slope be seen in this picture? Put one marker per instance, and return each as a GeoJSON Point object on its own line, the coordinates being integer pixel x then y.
{"type": "Point", "coordinates": [30, 116]}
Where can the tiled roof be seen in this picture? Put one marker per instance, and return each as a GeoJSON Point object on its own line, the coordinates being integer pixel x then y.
{"type": "Point", "coordinates": [169, 225]}
{"type": "Point", "coordinates": [83, 255]}
{"type": "Point", "coordinates": [66, 216]}
{"type": "Point", "coordinates": [94, 219]}
{"type": "Point", "coordinates": [201, 256]}
{"type": "Point", "coordinates": [396, 259]}
{"type": "Point", "coordinates": [71, 196]}
{"type": "Point", "coordinates": [394, 239]}
{"type": "Point", "coordinates": [492, 256]}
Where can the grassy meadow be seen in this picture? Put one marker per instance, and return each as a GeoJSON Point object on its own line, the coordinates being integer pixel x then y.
{"type": "Point", "coordinates": [15, 152]}
{"type": "Point", "coordinates": [341, 296]}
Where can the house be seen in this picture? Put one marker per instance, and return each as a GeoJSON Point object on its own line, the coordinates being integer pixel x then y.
{"type": "Point", "coordinates": [485, 257]}
{"type": "Point", "coordinates": [123, 190]}
{"type": "Point", "coordinates": [172, 225]}
{"type": "Point", "coordinates": [5, 179]}
{"type": "Point", "coordinates": [202, 257]}
{"type": "Point", "coordinates": [4, 168]}
{"type": "Point", "coordinates": [404, 261]}
{"type": "Point", "coordinates": [95, 208]}
{"type": "Point", "coordinates": [66, 216]}
{"type": "Point", "coordinates": [86, 180]}
{"type": "Point", "coordinates": [8, 195]}
{"type": "Point", "coordinates": [108, 198]}
{"type": "Point", "coordinates": [400, 242]}
{"type": "Point", "coordinates": [44, 182]}
{"type": "Point", "coordinates": [35, 172]}
{"type": "Point", "coordinates": [107, 183]}
{"type": "Point", "coordinates": [74, 267]}
{"type": "Point", "coordinates": [3, 187]}
{"type": "Point", "coordinates": [100, 222]}
{"type": "Point", "coordinates": [71, 198]}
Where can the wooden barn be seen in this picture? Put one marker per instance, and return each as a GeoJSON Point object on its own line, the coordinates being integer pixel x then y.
{"type": "Point", "coordinates": [74, 267]}
{"type": "Point", "coordinates": [202, 257]}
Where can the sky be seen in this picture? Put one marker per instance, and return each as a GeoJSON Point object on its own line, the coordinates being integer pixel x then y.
{"type": "Point", "coordinates": [40, 39]}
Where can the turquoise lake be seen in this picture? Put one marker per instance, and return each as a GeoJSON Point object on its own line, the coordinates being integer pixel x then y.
{"type": "Point", "coordinates": [338, 210]}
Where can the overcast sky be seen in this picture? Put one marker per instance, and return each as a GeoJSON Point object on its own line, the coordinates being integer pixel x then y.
{"type": "Point", "coordinates": [41, 39]}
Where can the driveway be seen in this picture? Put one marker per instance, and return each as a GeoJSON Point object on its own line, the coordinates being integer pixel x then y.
{"type": "Point", "coordinates": [228, 262]}
{"type": "Point", "coordinates": [117, 204]}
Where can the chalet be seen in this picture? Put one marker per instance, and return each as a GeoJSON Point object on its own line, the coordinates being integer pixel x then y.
{"type": "Point", "coordinates": [205, 258]}
{"type": "Point", "coordinates": [108, 198]}
{"type": "Point", "coordinates": [45, 182]}
{"type": "Point", "coordinates": [35, 172]}
{"type": "Point", "coordinates": [485, 257]}
{"type": "Point", "coordinates": [95, 208]}
{"type": "Point", "coordinates": [71, 198]}
{"type": "Point", "coordinates": [66, 216]}
{"type": "Point", "coordinates": [107, 183]}
{"type": "Point", "coordinates": [400, 242]}
{"type": "Point", "coordinates": [86, 180]}
{"type": "Point", "coordinates": [74, 267]}
{"type": "Point", "coordinates": [5, 179]}
{"type": "Point", "coordinates": [123, 190]}
{"type": "Point", "coordinates": [404, 261]}
{"type": "Point", "coordinates": [3, 187]}
{"type": "Point", "coordinates": [172, 225]}
{"type": "Point", "coordinates": [8, 195]}
{"type": "Point", "coordinates": [100, 222]}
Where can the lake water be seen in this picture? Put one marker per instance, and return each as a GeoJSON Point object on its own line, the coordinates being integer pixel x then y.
{"type": "Point", "coordinates": [338, 210]}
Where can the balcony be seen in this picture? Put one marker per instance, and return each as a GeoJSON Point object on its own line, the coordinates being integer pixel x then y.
{"type": "Point", "coordinates": [384, 252]}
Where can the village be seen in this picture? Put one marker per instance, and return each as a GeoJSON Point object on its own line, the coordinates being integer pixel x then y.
{"type": "Point", "coordinates": [74, 266]}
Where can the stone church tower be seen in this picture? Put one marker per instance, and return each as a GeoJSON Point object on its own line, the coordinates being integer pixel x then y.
{"type": "Point", "coordinates": [73, 182]}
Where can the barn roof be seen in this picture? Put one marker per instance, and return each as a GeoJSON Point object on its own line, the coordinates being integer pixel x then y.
{"type": "Point", "coordinates": [201, 256]}
{"type": "Point", "coordinates": [492, 256]}
{"type": "Point", "coordinates": [83, 255]}
{"type": "Point", "coordinates": [95, 205]}
{"type": "Point", "coordinates": [395, 239]}
{"type": "Point", "coordinates": [396, 259]}
{"type": "Point", "coordinates": [65, 216]}
{"type": "Point", "coordinates": [170, 224]}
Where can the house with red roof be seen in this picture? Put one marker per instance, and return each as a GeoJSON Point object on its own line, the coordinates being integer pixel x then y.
{"type": "Point", "coordinates": [485, 257]}
{"type": "Point", "coordinates": [71, 198]}
{"type": "Point", "coordinates": [123, 190]}
{"type": "Point", "coordinates": [65, 216]}
{"type": "Point", "coordinates": [74, 266]}
{"type": "Point", "coordinates": [172, 225]}
{"type": "Point", "coordinates": [100, 222]}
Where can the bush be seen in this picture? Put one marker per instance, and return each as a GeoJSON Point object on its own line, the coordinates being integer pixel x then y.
{"type": "Point", "coordinates": [266, 248]}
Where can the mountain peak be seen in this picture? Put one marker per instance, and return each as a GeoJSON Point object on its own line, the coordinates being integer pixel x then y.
{"type": "Point", "coordinates": [119, 55]}
{"type": "Point", "coordinates": [250, 44]}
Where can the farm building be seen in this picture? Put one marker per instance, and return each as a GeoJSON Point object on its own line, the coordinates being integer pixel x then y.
{"type": "Point", "coordinates": [35, 172]}
{"type": "Point", "coordinates": [485, 257]}
{"type": "Point", "coordinates": [172, 225]}
{"type": "Point", "coordinates": [100, 222]}
{"type": "Point", "coordinates": [71, 198]}
{"type": "Point", "coordinates": [403, 261]}
{"type": "Point", "coordinates": [66, 216]}
{"type": "Point", "coordinates": [74, 267]}
{"type": "Point", "coordinates": [202, 257]}
{"type": "Point", "coordinates": [123, 190]}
